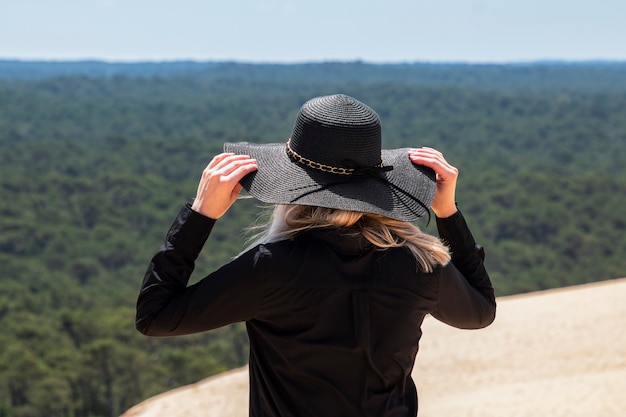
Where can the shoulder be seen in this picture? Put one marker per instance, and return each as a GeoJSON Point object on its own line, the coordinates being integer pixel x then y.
{"type": "Point", "coordinates": [267, 253]}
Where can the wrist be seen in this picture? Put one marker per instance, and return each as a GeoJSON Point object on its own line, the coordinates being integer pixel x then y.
{"type": "Point", "coordinates": [200, 209]}
{"type": "Point", "coordinates": [444, 212]}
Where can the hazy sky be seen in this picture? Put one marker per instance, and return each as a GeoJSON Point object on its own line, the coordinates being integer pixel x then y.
{"type": "Point", "coordinates": [320, 30]}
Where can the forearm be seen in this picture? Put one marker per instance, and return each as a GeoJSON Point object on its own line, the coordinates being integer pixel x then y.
{"type": "Point", "coordinates": [467, 256]}
{"type": "Point", "coordinates": [454, 232]}
{"type": "Point", "coordinates": [171, 267]}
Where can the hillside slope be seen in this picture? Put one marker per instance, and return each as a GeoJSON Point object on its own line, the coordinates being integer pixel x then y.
{"type": "Point", "coordinates": [551, 353]}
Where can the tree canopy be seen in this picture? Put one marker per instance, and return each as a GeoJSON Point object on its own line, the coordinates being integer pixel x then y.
{"type": "Point", "coordinates": [96, 159]}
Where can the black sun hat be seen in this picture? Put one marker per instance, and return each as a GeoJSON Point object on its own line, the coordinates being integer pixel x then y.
{"type": "Point", "coordinates": [334, 158]}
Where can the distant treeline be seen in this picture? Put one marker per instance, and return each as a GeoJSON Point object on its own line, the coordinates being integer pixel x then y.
{"type": "Point", "coordinates": [597, 75]}
{"type": "Point", "coordinates": [96, 159]}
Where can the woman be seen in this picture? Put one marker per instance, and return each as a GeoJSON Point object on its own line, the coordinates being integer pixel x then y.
{"type": "Point", "coordinates": [335, 291]}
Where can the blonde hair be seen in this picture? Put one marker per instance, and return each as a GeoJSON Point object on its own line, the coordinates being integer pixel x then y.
{"type": "Point", "coordinates": [383, 232]}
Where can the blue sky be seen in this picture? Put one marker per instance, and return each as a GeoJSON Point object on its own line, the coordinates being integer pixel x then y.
{"type": "Point", "coordinates": [320, 30]}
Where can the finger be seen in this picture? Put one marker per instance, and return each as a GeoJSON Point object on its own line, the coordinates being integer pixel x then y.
{"type": "Point", "coordinates": [236, 190]}
{"type": "Point", "coordinates": [223, 165]}
{"type": "Point", "coordinates": [435, 160]}
{"type": "Point", "coordinates": [428, 154]}
{"type": "Point", "coordinates": [227, 159]}
{"type": "Point", "coordinates": [428, 158]}
{"type": "Point", "coordinates": [237, 170]}
{"type": "Point", "coordinates": [234, 166]}
{"type": "Point", "coordinates": [426, 151]}
{"type": "Point", "coordinates": [217, 159]}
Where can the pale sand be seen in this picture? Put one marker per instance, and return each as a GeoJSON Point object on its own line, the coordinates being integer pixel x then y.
{"type": "Point", "coordinates": [551, 353]}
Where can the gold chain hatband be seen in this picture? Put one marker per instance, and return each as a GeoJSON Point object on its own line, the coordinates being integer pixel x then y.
{"type": "Point", "coordinates": [319, 166]}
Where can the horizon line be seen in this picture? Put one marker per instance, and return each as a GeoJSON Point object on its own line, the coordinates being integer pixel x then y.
{"type": "Point", "coordinates": [108, 61]}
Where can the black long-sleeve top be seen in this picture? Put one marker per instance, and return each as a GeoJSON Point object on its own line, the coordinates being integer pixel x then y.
{"type": "Point", "coordinates": [333, 323]}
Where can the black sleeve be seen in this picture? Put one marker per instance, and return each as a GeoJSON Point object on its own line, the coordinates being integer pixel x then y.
{"type": "Point", "coordinates": [466, 295]}
{"type": "Point", "coordinates": [166, 306]}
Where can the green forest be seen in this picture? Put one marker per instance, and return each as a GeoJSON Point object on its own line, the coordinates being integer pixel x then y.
{"type": "Point", "coordinates": [96, 159]}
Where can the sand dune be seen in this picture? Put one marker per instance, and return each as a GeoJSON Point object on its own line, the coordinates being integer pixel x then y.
{"type": "Point", "coordinates": [551, 353]}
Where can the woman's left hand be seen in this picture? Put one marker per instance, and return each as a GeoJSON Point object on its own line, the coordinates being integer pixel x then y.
{"type": "Point", "coordinates": [219, 186]}
{"type": "Point", "coordinates": [444, 204]}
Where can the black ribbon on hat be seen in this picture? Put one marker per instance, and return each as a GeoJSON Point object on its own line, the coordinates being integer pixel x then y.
{"type": "Point", "coordinates": [361, 172]}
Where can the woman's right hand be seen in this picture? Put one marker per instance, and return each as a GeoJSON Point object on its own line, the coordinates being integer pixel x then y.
{"type": "Point", "coordinates": [219, 186]}
{"type": "Point", "coordinates": [444, 204]}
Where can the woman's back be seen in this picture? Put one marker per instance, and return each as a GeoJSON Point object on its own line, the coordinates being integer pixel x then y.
{"type": "Point", "coordinates": [337, 328]}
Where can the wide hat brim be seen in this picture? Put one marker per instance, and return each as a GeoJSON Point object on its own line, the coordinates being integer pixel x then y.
{"type": "Point", "coordinates": [394, 193]}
